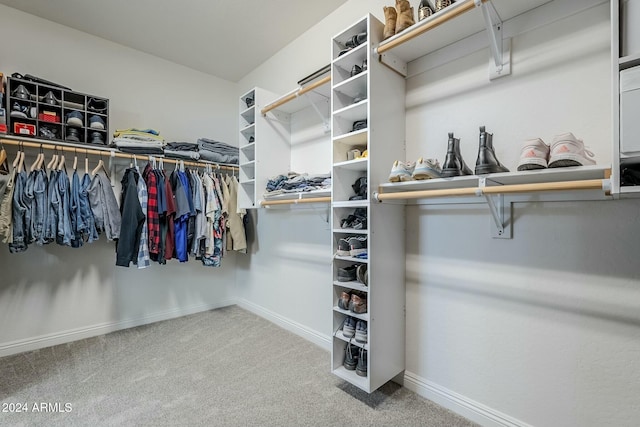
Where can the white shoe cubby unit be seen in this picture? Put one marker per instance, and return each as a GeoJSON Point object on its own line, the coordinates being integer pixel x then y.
{"type": "Point", "coordinates": [377, 95]}
{"type": "Point", "coordinates": [264, 148]}
{"type": "Point", "coordinates": [625, 52]}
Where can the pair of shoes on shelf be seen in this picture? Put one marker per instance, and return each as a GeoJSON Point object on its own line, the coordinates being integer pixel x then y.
{"type": "Point", "coordinates": [357, 220]}
{"type": "Point", "coordinates": [359, 125]}
{"type": "Point", "coordinates": [424, 10]}
{"type": "Point", "coordinates": [566, 150]}
{"type": "Point", "coordinates": [352, 246]}
{"type": "Point", "coordinates": [357, 69]}
{"type": "Point", "coordinates": [355, 358]}
{"type": "Point", "coordinates": [397, 19]}
{"type": "Point", "coordinates": [354, 301]}
{"type": "Point", "coordinates": [360, 189]}
{"type": "Point", "coordinates": [409, 171]}
{"type": "Point", "coordinates": [487, 162]}
{"type": "Point", "coordinates": [355, 328]}
{"type": "Point", "coordinates": [19, 110]}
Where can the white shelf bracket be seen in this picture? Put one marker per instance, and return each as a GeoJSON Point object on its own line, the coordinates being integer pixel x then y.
{"type": "Point", "coordinates": [393, 62]}
{"type": "Point", "coordinates": [500, 49]}
{"type": "Point", "coordinates": [325, 119]}
{"type": "Point", "coordinates": [500, 212]}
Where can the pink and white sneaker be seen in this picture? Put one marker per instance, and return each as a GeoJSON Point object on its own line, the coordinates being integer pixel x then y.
{"type": "Point", "coordinates": [534, 155]}
{"type": "Point", "coordinates": [567, 150]}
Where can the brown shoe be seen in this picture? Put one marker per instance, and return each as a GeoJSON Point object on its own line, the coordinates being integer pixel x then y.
{"type": "Point", "coordinates": [390, 16]}
{"type": "Point", "coordinates": [358, 304]}
{"type": "Point", "coordinates": [405, 15]}
{"type": "Point", "coordinates": [343, 301]}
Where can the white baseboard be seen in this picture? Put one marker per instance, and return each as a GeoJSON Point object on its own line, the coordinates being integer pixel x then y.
{"type": "Point", "coordinates": [459, 404]}
{"type": "Point", "coordinates": [315, 337]}
{"type": "Point", "coordinates": [42, 341]}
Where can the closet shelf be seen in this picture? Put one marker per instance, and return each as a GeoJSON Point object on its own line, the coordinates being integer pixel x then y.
{"type": "Point", "coordinates": [354, 231]}
{"type": "Point", "coordinates": [248, 146]}
{"type": "Point", "coordinates": [341, 336]}
{"type": "Point", "coordinates": [292, 102]}
{"type": "Point", "coordinates": [456, 22]}
{"type": "Point", "coordinates": [316, 196]}
{"type": "Point", "coordinates": [352, 259]}
{"type": "Point", "coordinates": [352, 204]}
{"type": "Point", "coordinates": [358, 137]}
{"type": "Point", "coordinates": [99, 151]}
{"type": "Point", "coordinates": [353, 112]}
{"type": "Point", "coordinates": [354, 165]}
{"type": "Point", "coordinates": [363, 316]}
{"type": "Point", "coordinates": [352, 285]}
{"type": "Point", "coordinates": [352, 377]}
{"type": "Point", "coordinates": [629, 61]}
{"type": "Point", "coordinates": [353, 86]}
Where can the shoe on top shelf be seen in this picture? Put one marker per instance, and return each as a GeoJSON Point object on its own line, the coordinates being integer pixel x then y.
{"type": "Point", "coordinates": [21, 92]}
{"type": "Point", "coordinates": [19, 110]}
{"type": "Point", "coordinates": [50, 98]}
{"type": "Point", "coordinates": [567, 150]}
{"type": "Point", "coordinates": [534, 155]}
{"type": "Point", "coordinates": [401, 171]}
{"type": "Point", "coordinates": [427, 169]}
{"type": "Point", "coordinates": [75, 118]}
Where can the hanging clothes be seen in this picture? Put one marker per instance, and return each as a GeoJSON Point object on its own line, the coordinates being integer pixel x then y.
{"type": "Point", "coordinates": [19, 211]}
{"type": "Point", "coordinates": [6, 207]}
{"type": "Point", "coordinates": [51, 223]}
{"type": "Point", "coordinates": [153, 218]}
{"type": "Point", "coordinates": [132, 220]}
{"type": "Point", "coordinates": [236, 219]}
{"type": "Point", "coordinates": [104, 206]}
{"type": "Point", "coordinates": [143, 247]}
{"type": "Point", "coordinates": [169, 248]}
{"type": "Point", "coordinates": [64, 234]}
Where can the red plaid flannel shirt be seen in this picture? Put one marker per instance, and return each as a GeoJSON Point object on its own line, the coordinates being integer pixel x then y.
{"type": "Point", "coordinates": [153, 219]}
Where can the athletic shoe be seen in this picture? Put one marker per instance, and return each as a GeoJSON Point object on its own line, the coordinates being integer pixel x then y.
{"type": "Point", "coordinates": [96, 122]}
{"type": "Point", "coordinates": [349, 327]}
{"type": "Point", "coordinates": [347, 274]}
{"type": "Point", "coordinates": [97, 105]}
{"type": "Point", "coordinates": [75, 118]}
{"type": "Point", "coordinates": [358, 245]}
{"type": "Point", "coordinates": [567, 150]}
{"type": "Point", "coordinates": [344, 248]}
{"type": "Point", "coordinates": [534, 155]}
{"type": "Point", "coordinates": [361, 331]}
{"type": "Point", "coordinates": [97, 138]}
{"type": "Point", "coordinates": [362, 274]}
{"type": "Point", "coordinates": [351, 357]}
{"type": "Point", "coordinates": [401, 171]}
{"type": "Point", "coordinates": [19, 110]}
{"type": "Point", "coordinates": [72, 135]}
{"type": "Point", "coordinates": [358, 304]}
{"type": "Point", "coordinates": [361, 367]}
{"type": "Point", "coordinates": [427, 169]}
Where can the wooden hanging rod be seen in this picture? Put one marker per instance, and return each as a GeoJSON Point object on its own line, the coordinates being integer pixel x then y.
{"type": "Point", "coordinates": [296, 93]}
{"type": "Point", "coordinates": [296, 201]}
{"type": "Point", "coordinates": [589, 184]}
{"type": "Point", "coordinates": [447, 14]}
{"type": "Point", "coordinates": [107, 152]}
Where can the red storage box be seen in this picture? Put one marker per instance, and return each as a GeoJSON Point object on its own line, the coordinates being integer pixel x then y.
{"type": "Point", "coordinates": [24, 129]}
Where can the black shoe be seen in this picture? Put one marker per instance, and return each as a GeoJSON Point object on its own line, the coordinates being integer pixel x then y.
{"type": "Point", "coordinates": [355, 70]}
{"type": "Point", "coordinates": [97, 105]}
{"type": "Point", "coordinates": [351, 357]}
{"type": "Point", "coordinates": [347, 274]}
{"type": "Point", "coordinates": [21, 92]}
{"type": "Point", "coordinates": [360, 187]}
{"type": "Point", "coordinates": [454, 164]}
{"type": "Point", "coordinates": [360, 124]}
{"type": "Point", "coordinates": [249, 101]}
{"type": "Point", "coordinates": [73, 135]}
{"type": "Point", "coordinates": [487, 161]}
{"type": "Point", "coordinates": [356, 40]}
{"type": "Point", "coordinates": [361, 367]}
{"type": "Point", "coordinates": [97, 138]}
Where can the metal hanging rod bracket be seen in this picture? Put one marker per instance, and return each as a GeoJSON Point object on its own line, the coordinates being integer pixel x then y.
{"type": "Point", "coordinates": [500, 49]}
{"type": "Point", "coordinates": [500, 212]}
{"type": "Point", "coordinates": [326, 126]}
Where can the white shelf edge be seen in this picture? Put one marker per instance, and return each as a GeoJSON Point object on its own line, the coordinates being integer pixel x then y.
{"type": "Point", "coordinates": [348, 164]}
{"type": "Point", "coordinates": [244, 129]}
{"type": "Point", "coordinates": [363, 316]}
{"type": "Point", "coordinates": [250, 145]}
{"type": "Point", "coordinates": [349, 231]}
{"type": "Point", "coordinates": [351, 135]}
{"type": "Point", "coordinates": [357, 286]}
{"type": "Point", "coordinates": [350, 80]}
{"type": "Point", "coordinates": [352, 377]}
{"type": "Point", "coordinates": [352, 204]}
{"type": "Point", "coordinates": [250, 181]}
{"type": "Point", "coordinates": [353, 341]}
{"type": "Point", "coordinates": [248, 110]}
{"type": "Point", "coordinates": [350, 107]}
{"type": "Point", "coordinates": [352, 52]}
{"type": "Point", "coordinates": [352, 259]}
{"type": "Point", "coordinates": [252, 163]}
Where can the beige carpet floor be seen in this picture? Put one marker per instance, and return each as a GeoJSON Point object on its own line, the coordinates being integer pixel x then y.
{"type": "Point", "coordinates": [225, 367]}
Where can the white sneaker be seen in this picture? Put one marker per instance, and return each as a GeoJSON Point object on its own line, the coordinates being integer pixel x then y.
{"type": "Point", "coordinates": [401, 171]}
{"type": "Point", "coordinates": [427, 169]}
{"type": "Point", "coordinates": [534, 155]}
{"type": "Point", "coordinates": [567, 150]}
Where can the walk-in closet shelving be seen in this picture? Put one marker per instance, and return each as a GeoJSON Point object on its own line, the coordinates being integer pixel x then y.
{"type": "Point", "coordinates": [283, 112]}
{"type": "Point", "coordinates": [263, 149]}
{"type": "Point", "coordinates": [375, 94]}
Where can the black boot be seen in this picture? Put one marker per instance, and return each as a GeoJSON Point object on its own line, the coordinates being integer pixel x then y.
{"type": "Point", "coordinates": [454, 164]}
{"type": "Point", "coordinates": [487, 161]}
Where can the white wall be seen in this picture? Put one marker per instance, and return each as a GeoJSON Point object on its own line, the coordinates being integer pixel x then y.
{"type": "Point", "coordinates": [538, 330]}
{"type": "Point", "coordinates": [52, 294]}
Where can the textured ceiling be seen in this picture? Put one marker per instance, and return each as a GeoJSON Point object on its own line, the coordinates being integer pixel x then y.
{"type": "Point", "coordinates": [227, 39]}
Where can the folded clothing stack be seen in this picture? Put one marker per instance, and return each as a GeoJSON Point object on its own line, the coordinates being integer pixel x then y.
{"type": "Point", "coordinates": [138, 141]}
{"type": "Point", "coordinates": [219, 152]}
{"type": "Point", "coordinates": [297, 183]}
{"type": "Point", "coordinates": [182, 150]}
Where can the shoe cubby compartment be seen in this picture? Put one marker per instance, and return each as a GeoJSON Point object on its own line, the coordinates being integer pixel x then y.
{"type": "Point", "coordinates": [340, 42]}
{"type": "Point", "coordinates": [338, 368]}
{"type": "Point", "coordinates": [344, 213]}
{"type": "Point", "coordinates": [342, 183]}
{"type": "Point", "coordinates": [249, 116]}
{"type": "Point", "coordinates": [351, 91]}
{"type": "Point", "coordinates": [49, 107]}
{"type": "Point", "coordinates": [248, 171]}
{"type": "Point", "coordinates": [338, 319]}
{"type": "Point", "coordinates": [345, 119]}
{"type": "Point", "coordinates": [247, 153]}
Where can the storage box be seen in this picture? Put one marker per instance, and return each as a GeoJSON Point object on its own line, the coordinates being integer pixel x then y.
{"type": "Point", "coordinates": [24, 129]}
